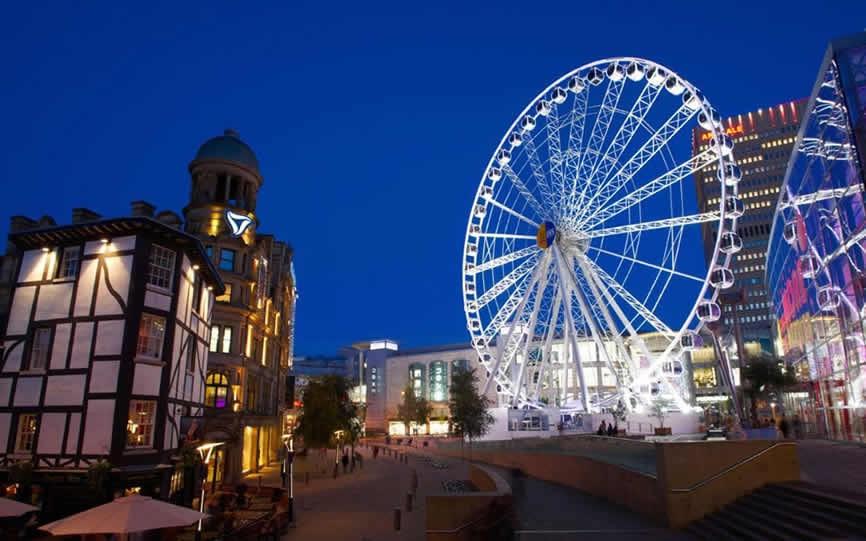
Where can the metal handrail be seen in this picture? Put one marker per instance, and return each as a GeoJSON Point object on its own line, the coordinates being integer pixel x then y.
{"type": "Point", "coordinates": [731, 468]}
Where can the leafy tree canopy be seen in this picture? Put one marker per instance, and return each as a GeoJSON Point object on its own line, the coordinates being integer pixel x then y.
{"type": "Point", "coordinates": [469, 415]}
{"type": "Point", "coordinates": [327, 409]}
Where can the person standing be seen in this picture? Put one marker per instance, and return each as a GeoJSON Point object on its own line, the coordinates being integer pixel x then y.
{"type": "Point", "coordinates": [345, 461]}
{"type": "Point", "coordinates": [602, 429]}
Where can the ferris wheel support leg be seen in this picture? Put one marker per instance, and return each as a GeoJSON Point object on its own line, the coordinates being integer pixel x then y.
{"type": "Point", "coordinates": [727, 375]}
{"type": "Point", "coordinates": [569, 316]}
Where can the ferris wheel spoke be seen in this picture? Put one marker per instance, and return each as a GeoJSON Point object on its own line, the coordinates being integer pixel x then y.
{"type": "Point", "coordinates": [507, 236]}
{"type": "Point", "coordinates": [519, 273]}
{"type": "Point", "coordinates": [643, 155]}
{"type": "Point", "coordinates": [551, 333]}
{"type": "Point", "coordinates": [646, 264]}
{"type": "Point", "coordinates": [679, 221]}
{"type": "Point", "coordinates": [524, 191]}
{"type": "Point", "coordinates": [571, 157]}
{"type": "Point", "coordinates": [538, 170]}
{"type": "Point", "coordinates": [634, 119]}
{"type": "Point", "coordinates": [606, 283]}
{"type": "Point", "coordinates": [504, 259]}
{"type": "Point", "coordinates": [571, 331]}
{"type": "Point", "coordinates": [533, 321]}
{"type": "Point", "coordinates": [668, 179]}
{"type": "Point", "coordinates": [512, 212]}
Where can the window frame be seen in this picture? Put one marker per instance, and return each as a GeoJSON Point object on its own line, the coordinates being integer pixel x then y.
{"type": "Point", "coordinates": [65, 264]}
{"type": "Point", "coordinates": [154, 263]}
{"type": "Point", "coordinates": [217, 386]}
{"type": "Point", "coordinates": [223, 347]}
{"type": "Point", "coordinates": [146, 354]}
{"type": "Point", "coordinates": [234, 259]}
{"type": "Point", "coordinates": [31, 350]}
{"type": "Point", "coordinates": [19, 433]}
{"type": "Point", "coordinates": [132, 404]}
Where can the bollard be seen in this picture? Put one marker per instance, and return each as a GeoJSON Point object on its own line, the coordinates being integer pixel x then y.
{"type": "Point", "coordinates": [397, 519]}
{"type": "Point", "coordinates": [408, 502]}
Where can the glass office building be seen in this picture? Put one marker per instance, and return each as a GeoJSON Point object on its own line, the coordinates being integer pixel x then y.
{"type": "Point", "coordinates": [816, 263]}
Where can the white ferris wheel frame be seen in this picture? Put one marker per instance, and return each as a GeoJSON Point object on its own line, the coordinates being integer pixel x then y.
{"type": "Point", "coordinates": [718, 152]}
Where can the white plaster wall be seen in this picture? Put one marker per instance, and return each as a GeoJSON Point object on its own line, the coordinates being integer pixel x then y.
{"type": "Point", "coordinates": [183, 301]}
{"type": "Point", "coordinates": [5, 393]}
{"type": "Point", "coordinates": [157, 300]}
{"type": "Point", "coordinates": [84, 293]}
{"type": "Point", "coordinates": [170, 441]}
{"type": "Point", "coordinates": [118, 270]}
{"type": "Point", "coordinates": [146, 379]}
{"type": "Point", "coordinates": [14, 353]}
{"type": "Point", "coordinates": [64, 390]}
{"type": "Point", "coordinates": [19, 314]}
{"type": "Point", "coordinates": [27, 391]}
{"type": "Point", "coordinates": [109, 337]}
{"type": "Point", "coordinates": [5, 426]}
{"type": "Point", "coordinates": [74, 431]}
{"type": "Point", "coordinates": [33, 265]}
{"type": "Point", "coordinates": [81, 345]}
{"type": "Point", "coordinates": [62, 335]}
{"type": "Point", "coordinates": [123, 244]}
{"type": "Point", "coordinates": [54, 300]}
{"type": "Point", "coordinates": [103, 376]}
{"type": "Point", "coordinates": [51, 433]}
{"type": "Point", "coordinates": [97, 427]}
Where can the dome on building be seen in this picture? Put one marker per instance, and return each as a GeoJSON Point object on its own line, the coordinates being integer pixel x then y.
{"type": "Point", "coordinates": [228, 147]}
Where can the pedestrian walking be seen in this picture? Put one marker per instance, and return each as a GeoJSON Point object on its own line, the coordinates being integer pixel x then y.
{"type": "Point", "coordinates": [345, 461]}
{"type": "Point", "coordinates": [602, 429]}
{"type": "Point", "coordinates": [784, 427]}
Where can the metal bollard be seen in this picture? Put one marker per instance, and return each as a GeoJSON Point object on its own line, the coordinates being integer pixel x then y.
{"type": "Point", "coordinates": [397, 519]}
{"type": "Point", "coordinates": [409, 502]}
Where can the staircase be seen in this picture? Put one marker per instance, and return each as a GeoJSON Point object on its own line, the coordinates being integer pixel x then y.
{"type": "Point", "coordinates": [787, 511]}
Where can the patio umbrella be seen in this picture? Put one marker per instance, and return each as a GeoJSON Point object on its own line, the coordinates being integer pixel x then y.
{"type": "Point", "coordinates": [11, 508]}
{"type": "Point", "coordinates": [134, 513]}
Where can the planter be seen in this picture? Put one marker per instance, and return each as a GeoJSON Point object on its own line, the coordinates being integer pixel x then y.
{"type": "Point", "coordinates": [663, 431]}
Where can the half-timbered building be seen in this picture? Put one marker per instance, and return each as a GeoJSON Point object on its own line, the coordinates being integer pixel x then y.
{"type": "Point", "coordinates": [105, 350]}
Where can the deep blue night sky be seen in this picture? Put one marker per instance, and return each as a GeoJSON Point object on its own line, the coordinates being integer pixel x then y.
{"type": "Point", "coordinates": [372, 122]}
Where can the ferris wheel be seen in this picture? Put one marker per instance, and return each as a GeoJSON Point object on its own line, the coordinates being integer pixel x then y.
{"type": "Point", "coordinates": [584, 238]}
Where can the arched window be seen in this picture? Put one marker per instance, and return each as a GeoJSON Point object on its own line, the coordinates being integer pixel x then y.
{"type": "Point", "coordinates": [438, 381]}
{"type": "Point", "coordinates": [416, 379]}
{"type": "Point", "coordinates": [216, 394]}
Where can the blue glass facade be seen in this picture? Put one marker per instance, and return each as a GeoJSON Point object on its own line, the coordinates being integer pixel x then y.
{"type": "Point", "coordinates": [816, 263]}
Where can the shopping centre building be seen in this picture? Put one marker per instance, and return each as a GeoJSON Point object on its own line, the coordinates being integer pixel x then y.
{"type": "Point", "coordinates": [817, 253]}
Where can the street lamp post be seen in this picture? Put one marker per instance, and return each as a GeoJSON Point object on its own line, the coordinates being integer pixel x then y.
{"type": "Point", "coordinates": [289, 442]}
{"type": "Point", "coordinates": [205, 451]}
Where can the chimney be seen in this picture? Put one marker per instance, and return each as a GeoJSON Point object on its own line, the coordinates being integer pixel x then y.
{"type": "Point", "coordinates": [21, 223]}
{"type": "Point", "coordinates": [170, 219]}
{"type": "Point", "coordinates": [46, 222]}
{"type": "Point", "coordinates": [84, 215]}
{"type": "Point", "coordinates": [142, 208]}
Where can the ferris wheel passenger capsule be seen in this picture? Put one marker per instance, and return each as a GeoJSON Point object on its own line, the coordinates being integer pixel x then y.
{"type": "Point", "coordinates": [656, 76]}
{"type": "Point", "coordinates": [690, 340]}
{"type": "Point", "coordinates": [721, 143]}
{"type": "Point", "coordinates": [475, 325]}
{"type": "Point", "coordinates": [503, 157]}
{"type": "Point", "coordinates": [734, 206]}
{"type": "Point", "coordinates": [790, 232]}
{"type": "Point", "coordinates": [674, 85]}
{"type": "Point", "coordinates": [708, 122]}
{"type": "Point", "coordinates": [558, 95]}
{"type": "Point", "coordinates": [486, 192]}
{"type": "Point", "coordinates": [576, 84]}
{"type": "Point", "coordinates": [542, 107]}
{"type": "Point", "coordinates": [528, 123]}
{"type": "Point", "coordinates": [474, 229]}
{"type": "Point", "coordinates": [731, 243]}
{"type": "Point", "coordinates": [469, 287]}
{"type": "Point", "coordinates": [635, 71]}
{"type": "Point", "coordinates": [722, 278]}
{"type": "Point", "coordinates": [471, 249]}
{"type": "Point", "coordinates": [692, 100]}
{"type": "Point", "coordinates": [709, 311]}
{"type": "Point", "coordinates": [829, 298]}
{"type": "Point", "coordinates": [480, 211]}
{"type": "Point", "coordinates": [615, 72]}
{"type": "Point", "coordinates": [731, 174]}
{"type": "Point", "coordinates": [494, 174]}
{"type": "Point", "coordinates": [595, 76]}
{"type": "Point", "coordinates": [515, 139]}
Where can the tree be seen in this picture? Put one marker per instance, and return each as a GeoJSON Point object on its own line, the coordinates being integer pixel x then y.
{"type": "Point", "coordinates": [407, 410]}
{"type": "Point", "coordinates": [659, 409]}
{"type": "Point", "coordinates": [469, 416]}
{"type": "Point", "coordinates": [327, 408]}
{"type": "Point", "coordinates": [423, 409]}
{"type": "Point", "coordinates": [762, 376]}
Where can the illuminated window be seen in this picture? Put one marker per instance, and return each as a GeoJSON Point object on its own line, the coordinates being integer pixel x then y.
{"type": "Point", "coordinates": [227, 260]}
{"type": "Point", "coordinates": [216, 391]}
{"type": "Point", "coordinates": [27, 423]}
{"type": "Point", "coordinates": [69, 262]}
{"type": "Point", "coordinates": [140, 423]}
{"type": "Point", "coordinates": [214, 337]}
{"type": "Point", "coordinates": [161, 267]}
{"type": "Point", "coordinates": [227, 340]}
{"type": "Point", "coordinates": [151, 331]}
{"type": "Point", "coordinates": [252, 393]}
{"type": "Point", "coordinates": [227, 296]}
{"type": "Point", "coordinates": [438, 381]}
{"type": "Point", "coordinates": [416, 379]}
{"type": "Point", "coordinates": [39, 348]}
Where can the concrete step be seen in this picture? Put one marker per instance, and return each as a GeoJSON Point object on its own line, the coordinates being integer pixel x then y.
{"type": "Point", "coordinates": [805, 520]}
{"type": "Point", "coordinates": [850, 517]}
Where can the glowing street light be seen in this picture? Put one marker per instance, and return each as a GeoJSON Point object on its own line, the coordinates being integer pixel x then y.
{"type": "Point", "coordinates": [205, 451]}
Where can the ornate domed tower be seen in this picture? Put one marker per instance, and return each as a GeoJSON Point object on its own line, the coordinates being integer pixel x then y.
{"type": "Point", "coordinates": [225, 185]}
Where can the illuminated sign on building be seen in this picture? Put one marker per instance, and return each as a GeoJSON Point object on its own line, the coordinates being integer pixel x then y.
{"type": "Point", "coordinates": [733, 130]}
{"type": "Point", "coordinates": [238, 223]}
